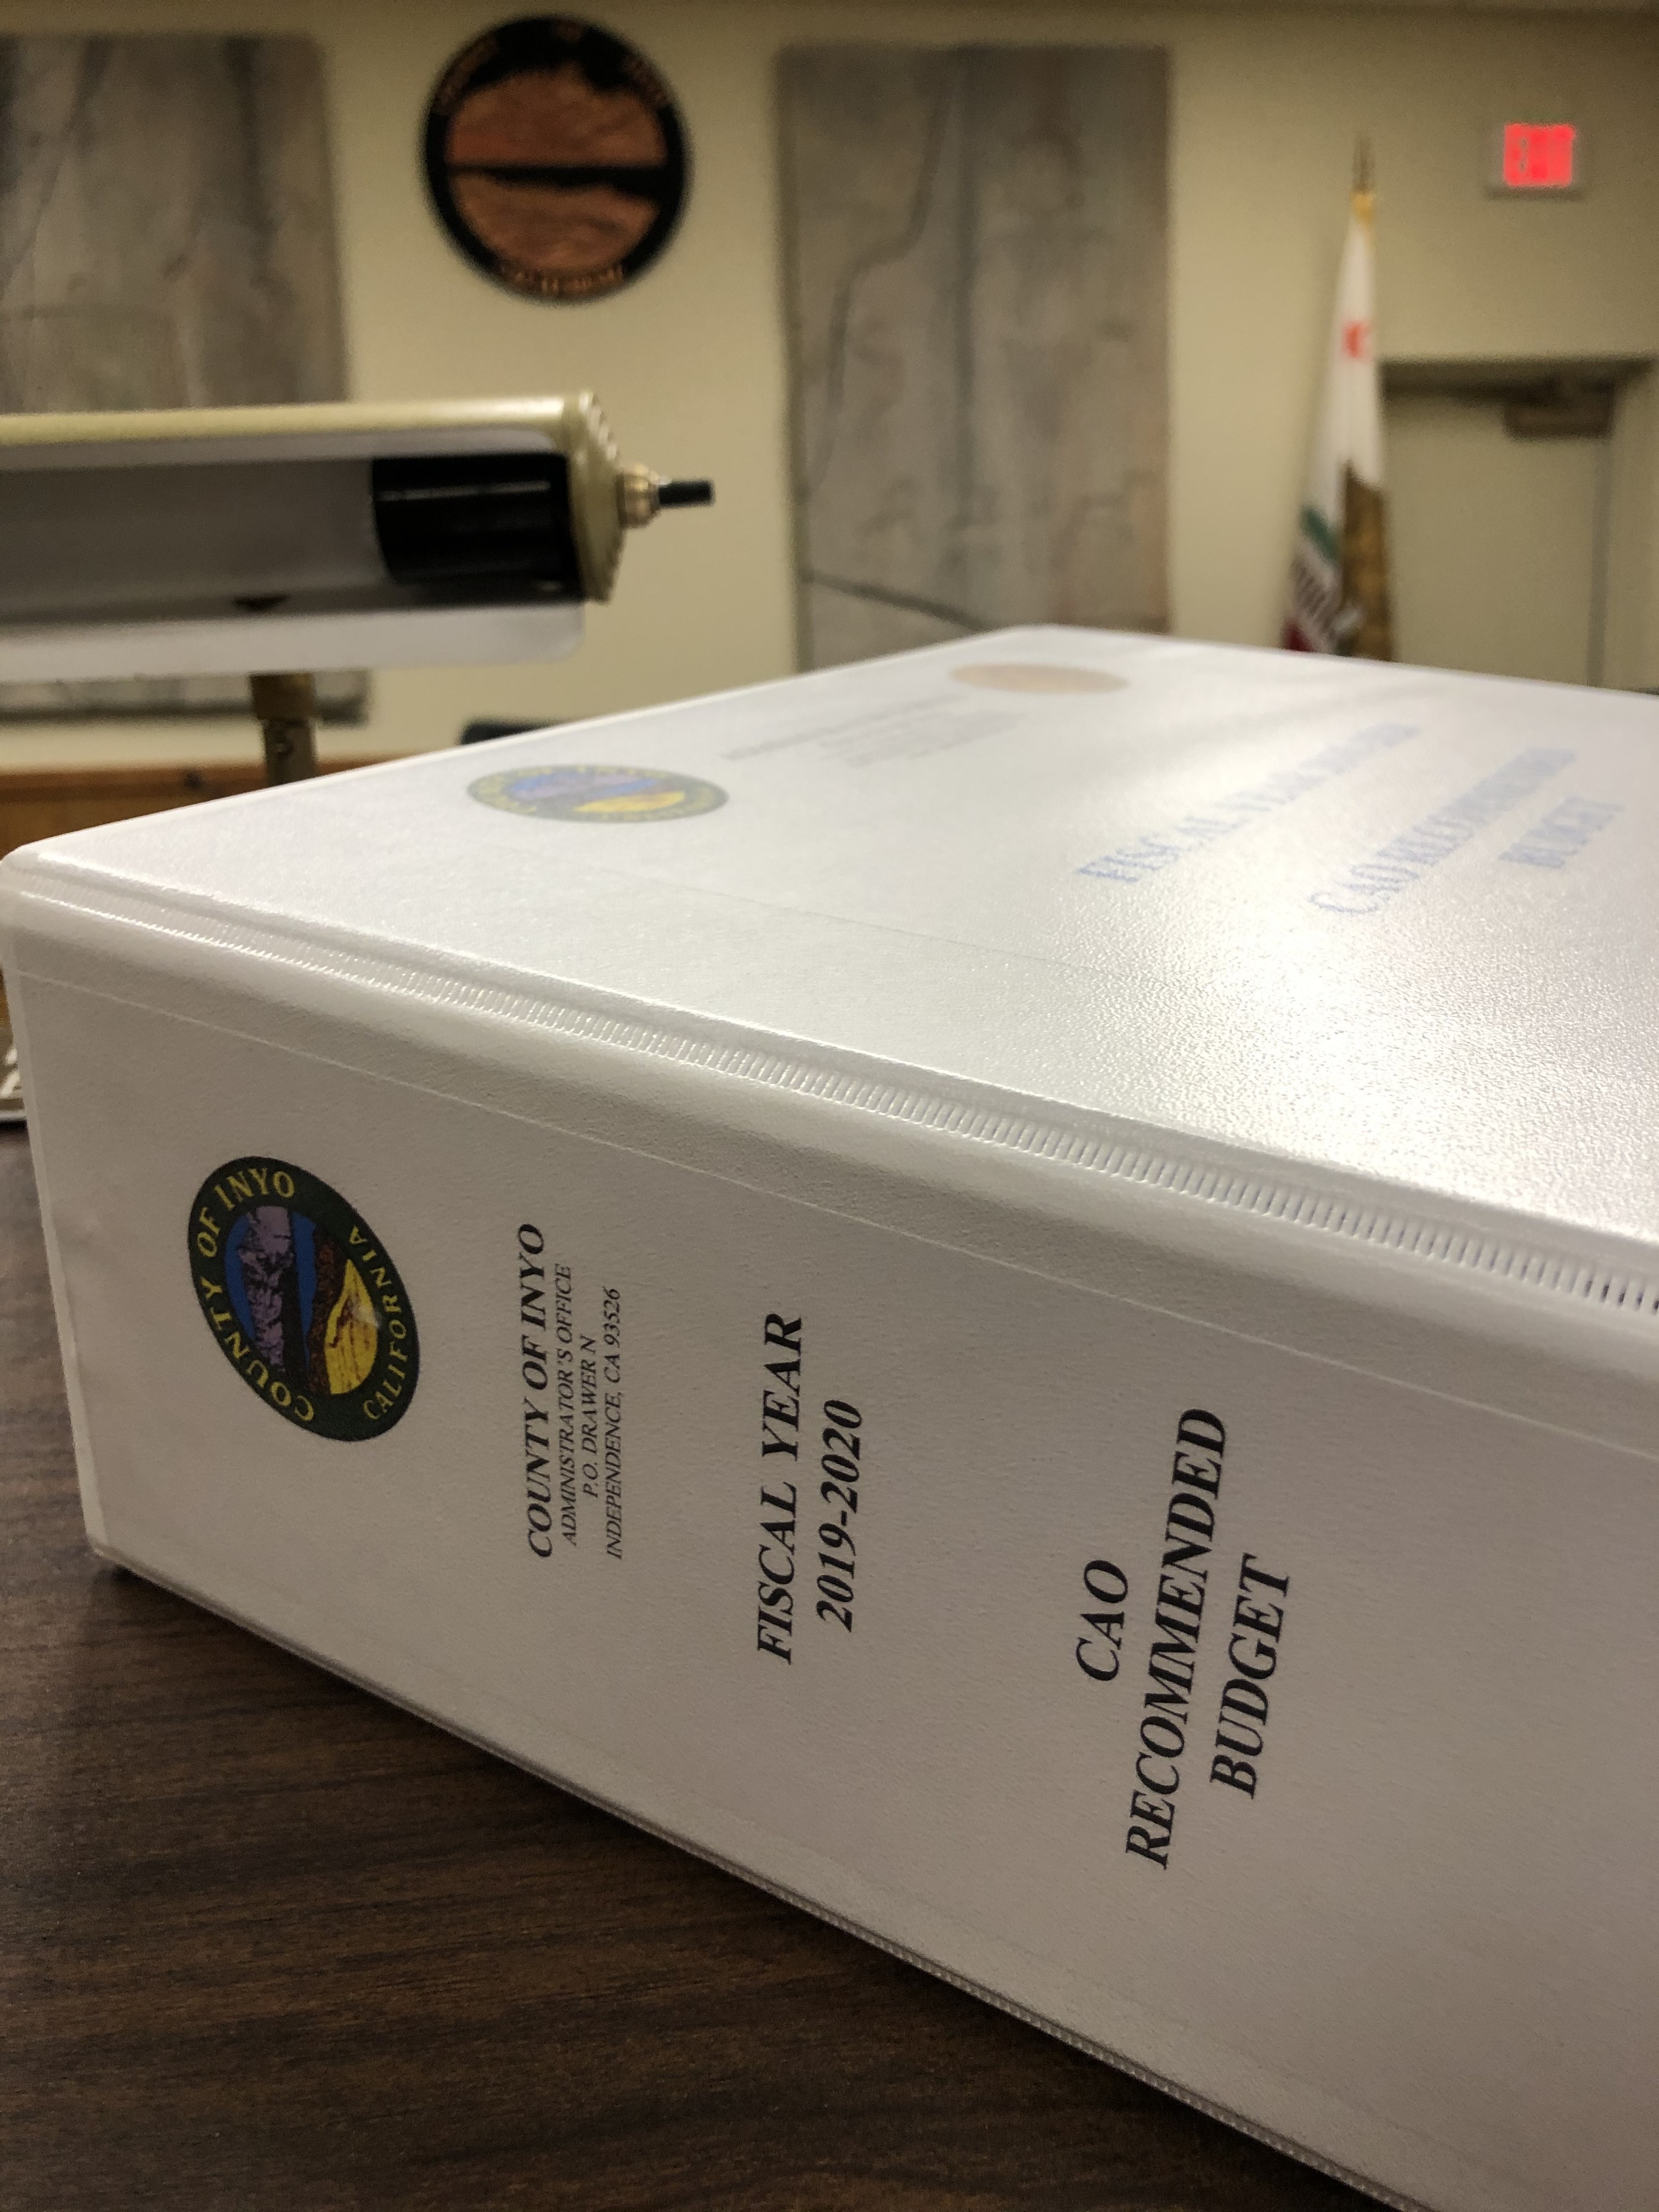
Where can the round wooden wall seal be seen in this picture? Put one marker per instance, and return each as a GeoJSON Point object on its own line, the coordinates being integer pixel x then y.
{"type": "Point", "coordinates": [555, 158]}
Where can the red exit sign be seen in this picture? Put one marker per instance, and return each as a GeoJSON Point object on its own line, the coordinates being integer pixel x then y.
{"type": "Point", "coordinates": [1538, 157]}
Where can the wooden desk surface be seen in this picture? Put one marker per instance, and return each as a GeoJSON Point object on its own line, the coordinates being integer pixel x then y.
{"type": "Point", "coordinates": [266, 1942]}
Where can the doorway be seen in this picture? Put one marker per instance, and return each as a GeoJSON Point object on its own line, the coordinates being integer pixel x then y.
{"type": "Point", "coordinates": [1501, 483]}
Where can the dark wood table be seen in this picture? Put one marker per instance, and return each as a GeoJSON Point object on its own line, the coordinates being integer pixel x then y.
{"type": "Point", "coordinates": [268, 1944]}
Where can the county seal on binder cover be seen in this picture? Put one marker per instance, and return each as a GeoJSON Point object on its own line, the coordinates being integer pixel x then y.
{"type": "Point", "coordinates": [1013, 1291]}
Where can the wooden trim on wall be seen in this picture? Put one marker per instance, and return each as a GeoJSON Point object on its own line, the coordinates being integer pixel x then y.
{"type": "Point", "coordinates": [46, 802]}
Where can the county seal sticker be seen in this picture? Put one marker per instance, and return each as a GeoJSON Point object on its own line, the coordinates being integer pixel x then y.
{"type": "Point", "coordinates": [303, 1299]}
{"type": "Point", "coordinates": [585, 793]}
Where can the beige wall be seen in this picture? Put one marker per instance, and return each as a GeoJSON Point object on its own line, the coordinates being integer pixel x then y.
{"type": "Point", "coordinates": [690, 361]}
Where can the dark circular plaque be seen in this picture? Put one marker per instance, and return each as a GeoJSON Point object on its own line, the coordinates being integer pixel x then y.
{"type": "Point", "coordinates": [555, 157]}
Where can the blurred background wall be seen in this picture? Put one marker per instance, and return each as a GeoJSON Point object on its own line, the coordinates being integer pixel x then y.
{"type": "Point", "coordinates": [692, 363]}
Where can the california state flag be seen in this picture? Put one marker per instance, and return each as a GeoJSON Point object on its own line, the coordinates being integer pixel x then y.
{"type": "Point", "coordinates": [1340, 571]}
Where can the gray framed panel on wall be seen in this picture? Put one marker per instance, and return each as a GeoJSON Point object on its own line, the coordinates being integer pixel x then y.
{"type": "Point", "coordinates": [976, 243]}
{"type": "Point", "coordinates": [166, 240]}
